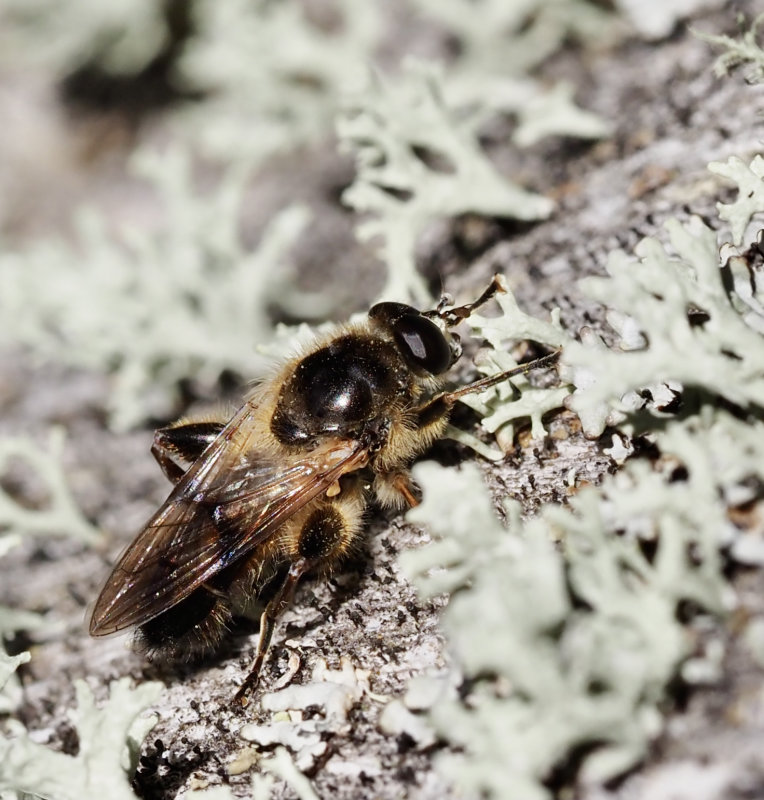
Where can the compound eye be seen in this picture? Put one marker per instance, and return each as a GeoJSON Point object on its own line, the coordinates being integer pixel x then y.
{"type": "Point", "coordinates": [422, 343]}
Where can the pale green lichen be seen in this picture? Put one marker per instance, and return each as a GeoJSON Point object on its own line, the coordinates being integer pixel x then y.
{"type": "Point", "coordinates": [574, 649]}
{"type": "Point", "coordinates": [122, 36]}
{"type": "Point", "coordinates": [112, 308]}
{"type": "Point", "coordinates": [507, 403]}
{"type": "Point", "coordinates": [500, 43]}
{"type": "Point", "coordinates": [655, 19]}
{"type": "Point", "coordinates": [565, 648]}
{"type": "Point", "coordinates": [279, 765]}
{"type": "Point", "coordinates": [554, 113]}
{"type": "Point", "coordinates": [605, 668]}
{"type": "Point", "coordinates": [260, 790]}
{"type": "Point", "coordinates": [415, 163]}
{"type": "Point", "coordinates": [333, 692]}
{"type": "Point", "coordinates": [745, 52]}
{"type": "Point", "coordinates": [754, 639]}
{"type": "Point", "coordinates": [514, 38]}
{"type": "Point", "coordinates": [696, 329]}
{"type": "Point", "coordinates": [10, 688]}
{"type": "Point", "coordinates": [750, 184]}
{"type": "Point", "coordinates": [274, 75]}
{"type": "Point", "coordinates": [282, 766]}
{"type": "Point", "coordinates": [724, 454]}
{"type": "Point", "coordinates": [108, 736]}
{"type": "Point", "coordinates": [12, 620]}
{"type": "Point", "coordinates": [59, 514]}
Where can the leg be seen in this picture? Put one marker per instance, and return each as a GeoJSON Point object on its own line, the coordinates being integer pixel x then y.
{"type": "Point", "coordinates": [430, 418]}
{"type": "Point", "coordinates": [320, 540]}
{"type": "Point", "coordinates": [437, 409]}
{"type": "Point", "coordinates": [395, 489]}
{"type": "Point", "coordinates": [453, 316]}
{"type": "Point", "coordinates": [177, 446]}
{"type": "Point", "coordinates": [268, 618]}
{"type": "Point", "coordinates": [402, 484]}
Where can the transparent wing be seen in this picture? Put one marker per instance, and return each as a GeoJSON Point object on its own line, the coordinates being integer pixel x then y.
{"type": "Point", "coordinates": [229, 501]}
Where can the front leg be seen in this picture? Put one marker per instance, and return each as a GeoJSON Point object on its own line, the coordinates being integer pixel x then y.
{"type": "Point", "coordinates": [432, 416]}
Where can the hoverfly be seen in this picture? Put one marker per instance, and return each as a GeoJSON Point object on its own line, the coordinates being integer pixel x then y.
{"type": "Point", "coordinates": [280, 489]}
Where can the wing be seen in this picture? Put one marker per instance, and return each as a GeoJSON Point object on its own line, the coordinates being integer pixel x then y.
{"type": "Point", "coordinates": [231, 499]}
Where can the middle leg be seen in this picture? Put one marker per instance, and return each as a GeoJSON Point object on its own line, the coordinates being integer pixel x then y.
{"type": "Point", "coordinates": [395, 489]}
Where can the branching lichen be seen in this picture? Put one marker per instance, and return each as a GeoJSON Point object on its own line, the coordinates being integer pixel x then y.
{"type": "Point", "coordinates": [60, 515]}
{"type": "Point", "coordinates": [513, 38]}
{"type": "Point", "coordinates": [186, 300]}
{"type": "Point", "coordinates": [695, 328]}
{"type": "Point", "coordinates": [108, 748]}
{"type": "Point", "coordinates": [552, 112]}
{"type": "Point", "coordinates": [508, 402]}
{"type": "Point", "coordinates": [744, 52]}
{"type": "Point", "coordinates": [655, 19]}
{"type": "Point", "coordinates": [750, 182]}
{"type": "Point", "coordinates": [415, 164]}
{"type": "Point", "coordinates": [282, 766]}
{"type": "Point", "coordinates": [10, 690]}
{"type": "Point", "coordinates": [12, 620]}
{"type": "Point", "coordinates": [335, 692]}
{"type": "Point", "coordinates": [121, 36]}
{"type": "Point", "coordinates": [500, 44]}
{"type": "Point", "coordinates": [274, 76]}
{"type": "Point", "coordinates": [574, 650]}
{"type": "Point", "coordinates": [567, 650]}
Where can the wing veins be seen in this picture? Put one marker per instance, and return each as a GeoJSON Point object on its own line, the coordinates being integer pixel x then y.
{"type": "Point", "coordinates": [142, 586]}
